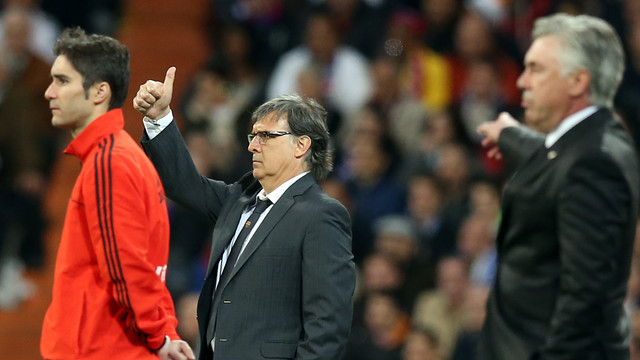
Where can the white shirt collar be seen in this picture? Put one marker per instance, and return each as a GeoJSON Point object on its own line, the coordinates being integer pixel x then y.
{"type": "Point", "coordinates": [567, 124]}
{"type": "Point", "coordinates": [277, 193]}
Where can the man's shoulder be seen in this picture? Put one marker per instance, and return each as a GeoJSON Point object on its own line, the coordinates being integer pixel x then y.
{"type": "Point", "coordinates": [317, 202]}
{"type": "Point", "coordinates": [118, 151]}
{"type": "Point", "coordinates": [604, 137]}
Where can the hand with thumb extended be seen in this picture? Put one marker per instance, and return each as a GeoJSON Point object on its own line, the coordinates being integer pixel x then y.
{"type": "Point", "coordinates": [153, 98]}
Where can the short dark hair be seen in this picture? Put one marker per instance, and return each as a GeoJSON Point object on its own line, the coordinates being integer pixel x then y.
{"type": "Point", "coordinates": [304, 117]}
{"type": "Point", "coordinates": [97, 58]}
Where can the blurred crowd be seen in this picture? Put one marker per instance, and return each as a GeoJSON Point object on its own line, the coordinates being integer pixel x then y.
{"type": "Point", "coordinates": [29, 145]}
{"type": "Point", "coordinates": [405, 84]}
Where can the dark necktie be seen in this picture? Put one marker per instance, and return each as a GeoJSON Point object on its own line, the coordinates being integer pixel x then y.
{"type": "Point", "coordinates": [260, 207]}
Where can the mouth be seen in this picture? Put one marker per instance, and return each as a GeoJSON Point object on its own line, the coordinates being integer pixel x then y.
{"type": "Point", "coordinates": [524, 100]}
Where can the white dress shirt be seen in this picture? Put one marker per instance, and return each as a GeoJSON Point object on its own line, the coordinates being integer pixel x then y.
{"type": "Point", "coordinates": [567, 124]}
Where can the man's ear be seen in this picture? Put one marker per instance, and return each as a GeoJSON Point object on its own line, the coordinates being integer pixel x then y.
{"type": "Point", "coordinates": [101, 93]}
{"type": "Point", "coordinates": [302, 144]}
{"type": "Point", "coordinates": [579, 82]}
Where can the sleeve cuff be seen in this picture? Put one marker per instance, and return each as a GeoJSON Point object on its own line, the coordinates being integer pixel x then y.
{"type": "Point", "coordinates": [155, 127]}
{"type": "Point", "coordinates": [155, 343]}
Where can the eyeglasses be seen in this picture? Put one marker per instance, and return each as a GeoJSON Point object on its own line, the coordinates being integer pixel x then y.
{"type": "Point", "coordinates": [263, 136]}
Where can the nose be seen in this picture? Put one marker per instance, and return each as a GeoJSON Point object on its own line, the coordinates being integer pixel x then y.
{"type": "Point", "coordinates": [49, 93]}
{"type": "Point", "coordinates": [254, 145]}
{"type": "Point", "coordinates": [523, 80]}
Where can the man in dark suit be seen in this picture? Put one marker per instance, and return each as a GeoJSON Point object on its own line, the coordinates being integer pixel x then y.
{"type": "Point", "coordinates": [569, 209]}
{"type": "Point", "coordinates": [284, 290]}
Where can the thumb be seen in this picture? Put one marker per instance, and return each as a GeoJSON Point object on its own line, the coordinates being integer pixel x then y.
{"type": "Point", "coordinates": [169, 78]}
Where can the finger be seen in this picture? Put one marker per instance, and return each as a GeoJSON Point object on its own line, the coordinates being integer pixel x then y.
{"type": "Point", "coordinates": [148, 97]}
{"type": "Point", "coordinates": [155, 91]}
{"type": "Point", "coordinates": [507, 119]}
{"type": "Point", "coordinates": [141, 104]}
{"type": "Point", "coordinates": [169, 78]}
{"type": "Point", "coordinates": [486, 142]}
{"type": "Point", "coordinates": [150, 85]}
{"type": "Point", "coordinates": [494, 153]}
{"type": "Point", "coordinates": [178, 356]}
{"type": "Point", "coordinates": [505, 115]}
{"type": "Point", "coordinates": [153, 88]}
{"type": "Point", "coordinates": [186, 349]}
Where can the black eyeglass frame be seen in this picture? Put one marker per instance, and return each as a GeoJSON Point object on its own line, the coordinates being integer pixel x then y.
{"type": "Point", "coordinates": [263, 136]}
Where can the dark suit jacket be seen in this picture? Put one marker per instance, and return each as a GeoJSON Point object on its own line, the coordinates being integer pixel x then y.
{"type": "Point", "coordinates": [564, 245]}
{"type": "Point", "coordinates": [290, 293]}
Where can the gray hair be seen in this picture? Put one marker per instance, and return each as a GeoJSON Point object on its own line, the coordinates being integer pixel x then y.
{"type": "Point", "coordinates": [588, 43]}
{"type": "Point", "coordinates": [304, 117]}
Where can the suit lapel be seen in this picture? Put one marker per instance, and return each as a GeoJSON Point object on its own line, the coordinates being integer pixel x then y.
{"type": "Point", "coordinates": [581, 130]}
{"type": "Point", "coordinates": [223, 234]}
{"type": "Point", "coordinates": [280, 208]}
{"type": "Point", "coordinates": [269, 222]}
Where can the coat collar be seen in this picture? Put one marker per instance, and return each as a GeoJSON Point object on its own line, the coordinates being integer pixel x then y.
{"type": "Point", "coordinates": [250, 188]}
{"type": "Point", "coordinates": [108, 123]}
{"type": "Point", "coordinates": [581, 129]}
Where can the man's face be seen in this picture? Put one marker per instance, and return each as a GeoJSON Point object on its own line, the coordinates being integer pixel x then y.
{"type": "Point", "coordinates": [274, 162]}
{"type": "Point", "coordinates": [545, 92]}
{"type": "Point", "coordinates": [71, 107]}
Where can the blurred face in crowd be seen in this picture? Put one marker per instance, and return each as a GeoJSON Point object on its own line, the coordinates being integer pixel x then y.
{"type": "Point", "coordinates": [385, 80]}
{"type": "Point", "coordinates": [236, 43]}
{"type": "Point", "coordinates": [322, 38]}
{"type": "Point", "coordinates": [379, 273]}
{"type": "Point", "coordinates": [399, 247]}
{"type": "Point", "coordinates": [381, 313]}
{"type": "Point", "coordinates": [367, 160]}
{"type": "Point", "coordinates": [366, 124]}
{"type": "Point", "coordinates": [473, 37]}
{"type": "Point", "coordinates": [438, 132]}
{"type": "Point", "coordinates": [439, 12]}
{"type": "Point", "coordinates": [453, 280]}
{"type": "Point", "coordinates": [545, 92]}
{"type": "Point", "coordinates": [71, 106]}
{"type": "Point", "coordinates": [17, 30]}
{"type": "Point", "coordinates": [483, 80]}
{"type": "Point", "coordinates": [419, 347]}
{"type": "Point", "coordinates": [474, 236]}
{"type": "Point", "coordinates": [485, 200]}
{"type": "Point", "coordinates": [424, 198]}
{"type": "Point", "coordinates": [453, 166]}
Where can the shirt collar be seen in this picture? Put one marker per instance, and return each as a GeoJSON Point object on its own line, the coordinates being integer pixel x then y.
{"type": "Point", "coordinates": [107, 123]}
{"type": "Point", "coordinates": [279, 191]}
{"type": "Point", "coordinates": [567, 124]}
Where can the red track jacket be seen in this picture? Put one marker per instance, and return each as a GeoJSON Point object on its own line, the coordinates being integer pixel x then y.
{"type": "Point", "coordinates": [109, 297]}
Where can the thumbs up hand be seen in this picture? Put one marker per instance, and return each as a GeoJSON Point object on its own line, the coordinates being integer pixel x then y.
{"type": "Point", "coordinates": [153, 97]}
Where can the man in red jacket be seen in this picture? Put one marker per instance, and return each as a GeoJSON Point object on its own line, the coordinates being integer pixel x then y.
{"type": "Point", "coordinates": [109, 296]}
